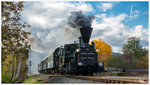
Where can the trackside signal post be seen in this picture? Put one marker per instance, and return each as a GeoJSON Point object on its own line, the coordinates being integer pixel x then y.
{"type": "Point", "coordinates": [30, 66]}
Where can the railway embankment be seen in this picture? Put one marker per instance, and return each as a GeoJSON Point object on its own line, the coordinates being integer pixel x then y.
{"type": "Point", "coordinates": [46, 78]}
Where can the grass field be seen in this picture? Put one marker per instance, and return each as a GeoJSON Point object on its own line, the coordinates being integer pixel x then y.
{"type": "Point", "coordinates": [33, 80]}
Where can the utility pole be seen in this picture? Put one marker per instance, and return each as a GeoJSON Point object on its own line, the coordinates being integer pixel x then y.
{"type": "Point", "coordinates": [30, 66]}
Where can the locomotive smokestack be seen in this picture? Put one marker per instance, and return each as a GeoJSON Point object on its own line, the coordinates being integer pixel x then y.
{"type": "Point", "coordinates": [86, 33]}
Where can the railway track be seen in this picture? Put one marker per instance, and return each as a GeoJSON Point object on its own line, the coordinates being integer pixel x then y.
{"type": "Point", "coordinates": [112, 79]}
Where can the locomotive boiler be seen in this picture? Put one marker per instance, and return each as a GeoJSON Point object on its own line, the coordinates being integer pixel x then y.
{"type": "Point", "coordinates": [74, 59]}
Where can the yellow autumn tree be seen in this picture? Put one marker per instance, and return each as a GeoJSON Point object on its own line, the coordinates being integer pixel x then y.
{"type": "Point", "coordinates": [105, 50]}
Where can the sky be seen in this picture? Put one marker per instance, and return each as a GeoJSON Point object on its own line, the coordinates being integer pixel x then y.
{"type": "Point", "coordinates": [114, 23]}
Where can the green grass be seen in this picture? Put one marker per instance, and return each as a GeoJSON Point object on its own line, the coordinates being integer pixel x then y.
{"type": "Point", "coordinates": [6, 78]}
{"type": "Point", "coordinates": [33, 80]}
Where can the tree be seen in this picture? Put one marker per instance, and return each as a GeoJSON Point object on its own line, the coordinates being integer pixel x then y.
{"type": "Point", "coordinates": [105, 50]}
{"type": "Point", "coordinates": [133, 48]}
{"type": "Point", "coordinates": [134, 52]}
{"type": "Point", "coordinates": [14, 38]}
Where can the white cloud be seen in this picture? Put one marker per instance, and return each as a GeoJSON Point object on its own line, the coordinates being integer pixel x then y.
{"type": "Point", "coordinates": [111, 30]}
{"type": "Point", "coordinates": [106, 6]}
{"type": "Point", "coordinates": [139, 31]}
{"type": "Point", "coordinates": [133, 14]}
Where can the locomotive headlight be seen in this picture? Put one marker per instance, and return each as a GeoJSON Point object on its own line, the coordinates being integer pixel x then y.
{"type": "Point", "coordinates": [77, 50]}
{"type": "Point", "coordinates": [100, 64]}
{"type": "Point", "coordinates": [97, 50]}
{"type": "Point", "coordinates": [80, 63]}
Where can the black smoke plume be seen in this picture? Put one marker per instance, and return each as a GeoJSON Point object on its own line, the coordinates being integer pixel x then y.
{"type": "Point", "coordinates": [78, 20]}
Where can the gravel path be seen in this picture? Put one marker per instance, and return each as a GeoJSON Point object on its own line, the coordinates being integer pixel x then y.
{"type": "Point", "coordinates": [69, 80]}
{"type": "Point", "coordinates": [55, 79]}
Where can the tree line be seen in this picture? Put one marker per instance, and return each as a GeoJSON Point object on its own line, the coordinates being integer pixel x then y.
{"type": "Point", "coordinates": [134, 56]}
{"type": "Point", "coordinates": [15, 42]}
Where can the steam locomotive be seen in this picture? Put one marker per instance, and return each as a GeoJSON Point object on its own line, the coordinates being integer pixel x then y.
{"type": "Point", "coordinates": [74, 59]}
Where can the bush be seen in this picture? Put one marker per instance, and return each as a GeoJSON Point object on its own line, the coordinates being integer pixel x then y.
{"type": "Point", "coordinates": [116, 61]}
{"type": "Point", "coordinates": [7, 79]}
{"type": "Point", "coordinates": [121, 62]}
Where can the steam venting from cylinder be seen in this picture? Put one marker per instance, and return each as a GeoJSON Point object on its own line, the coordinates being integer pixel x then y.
{"type": "Point", "coordinates": [83, 23]}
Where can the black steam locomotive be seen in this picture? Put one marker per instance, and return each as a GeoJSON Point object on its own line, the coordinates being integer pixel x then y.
{"type": "Point", "coordinates": [73, 59]}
